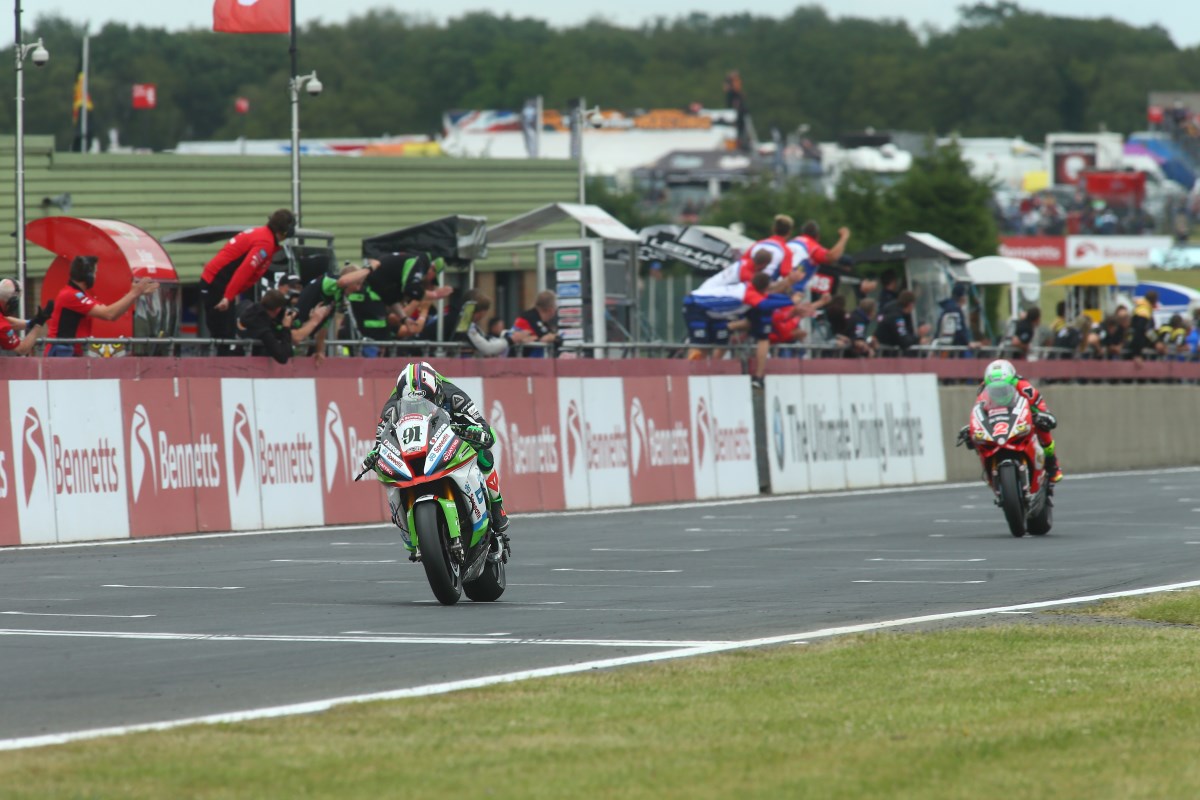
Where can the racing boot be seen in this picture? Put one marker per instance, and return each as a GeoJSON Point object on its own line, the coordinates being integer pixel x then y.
{"type": "Point", "coordinates": [1052, 469]}
{"type": "Point", "coordinates": [499, 518]}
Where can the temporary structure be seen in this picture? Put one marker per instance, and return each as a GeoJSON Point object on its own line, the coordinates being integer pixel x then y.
{"type": "Point", "coordinates": [1022, 278]}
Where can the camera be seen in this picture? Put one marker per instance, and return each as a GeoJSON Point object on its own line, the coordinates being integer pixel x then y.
{"type": "Point", "coordinates": [40, 55]}
{"type": "Point", "coordinates": [314, 87]}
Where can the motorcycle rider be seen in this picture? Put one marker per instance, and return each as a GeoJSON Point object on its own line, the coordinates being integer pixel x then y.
{"type": "Point", "coordinates": [1001, 374]}
{"type": "Point", "coordinates": [419, 379]}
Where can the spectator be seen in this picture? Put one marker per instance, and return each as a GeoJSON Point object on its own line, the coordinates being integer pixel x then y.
{"type": "Point", "coordinates": [498, 327]}
{"type": "Point", "coordinates": [10, 304]}
{"type": "Point", "coordinates": [541, 323]}
{"type": "Point", "coordinates": [327, 291]}
{"type": "Point", "coordinates": [808, 255]}
{"type": "Point", "coordinates": [862, 343]}
{"type": "Point", "coordinates": [239, 265]}
{"type": "Point", "coordinates": [1173, 336]}
{"type": "Point", "coordinates": [1060, 317]}
{"type": "Point", "coordinates": [896, 329]}
{"type": "Point", "coordinates": [952, 329]}
{"type": "Point", "coordinates": [1025, 335]}
{"type": "Point", "coordinates": [483, 342]}
{"type": "Point", "coordinates": [1144, 336]}
{"type": "Point", "coordinates": [269, 322]}
{"type": "Point", "coordinates": [76, 306]}
{"type": "Point", "coordinates": [290, 285]}
{"type": "Point", "coordinates": [889, 289]}
{"type": "Point", "coordinates": [1192, 340]}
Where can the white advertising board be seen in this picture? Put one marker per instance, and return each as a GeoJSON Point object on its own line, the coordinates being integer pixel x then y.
{"type": "Point", "coordinates": [32, 466]}
{"type": "Point", "coordinates": [286, 452]}
{"type": "Point", "coordinates": [87, 455]}
{"type": "Point", "coordinates": [595, 442]}
{"type": "Point", "coordinates": [704, 447]}
{"type": "Point", "coordinates": [928, 450]}
{"type": "Point", "coordinates": [241, 459]}
{"type": "Point", "coordinates": [576, 490]}
{"type": "Point", "coordinates": [789, 465]}
{"type": "Point", "coordinates": [828, 432]}
{"type": "Point", "coordinates": [732, 420]}
{"type": "Point", "coordinates": [895, 429]}
{"type": "Point", "coordinates": [822, 436]}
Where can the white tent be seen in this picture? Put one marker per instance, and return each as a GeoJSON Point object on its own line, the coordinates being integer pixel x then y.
{"type": "Point", "coordinates": [1022, 277]}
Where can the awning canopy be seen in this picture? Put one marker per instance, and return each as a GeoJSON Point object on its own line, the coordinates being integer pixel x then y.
{"type": "Point", "coordinates": [911, 245]}
{"type": "Point", "coordinates": [593, 218]}
{"type": "Point", "coordinates": [458, 239]}
{"type": "Point", "coordinates": [122, 249]}
{"type": "Point", "coordinates": [998, 270]}
{"type": "Point", "coordinates": [1107, 275]}
{"type": "Point", "coordinates": [707, 248]}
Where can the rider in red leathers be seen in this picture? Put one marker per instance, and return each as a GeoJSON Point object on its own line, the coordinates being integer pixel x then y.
{"type": "Point", "coordinates": [1002, 372]}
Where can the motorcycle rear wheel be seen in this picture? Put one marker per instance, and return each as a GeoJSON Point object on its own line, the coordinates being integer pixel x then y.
{"type": "Point", "coordinates": [443, 573]}
{"type": "Point", "coordinates": [1040, 523]}
{"type": "Point", "coordinates": [490, 584]}
{"type": "Point", "coordinates": [1010, 498]}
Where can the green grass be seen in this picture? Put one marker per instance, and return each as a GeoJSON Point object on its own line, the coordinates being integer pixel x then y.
{"type": "Point", "coordinates": [1178, 608]}
{"type": "Point", "coordinates": [1012, 711]}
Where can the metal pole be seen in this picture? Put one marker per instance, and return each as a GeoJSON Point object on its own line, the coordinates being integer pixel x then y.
{"type": "Point", "coordinates": [20, 159]}
{"type": "Point", "coordinates": [83, 115]}
{"type": "Point", "coordinates": [295, 89]}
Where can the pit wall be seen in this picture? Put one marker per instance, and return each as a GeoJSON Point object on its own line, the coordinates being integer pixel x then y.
{"type": "Point", "coordinates": [1101, 428]}
{"type": "Point", "coordinates": [153, 447]}
{"type": "Point", "coordinates": [113, 458]}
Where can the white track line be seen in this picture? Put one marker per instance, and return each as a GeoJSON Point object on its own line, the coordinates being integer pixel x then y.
{"type": "Point", "coordinates": [317, 706]}
{"type": "Point", "coordinates": [101, 615]}
{"type": "Point", "coordinates": [137, 586]}
{"type": "Point", "coordinates": [775, 498]}
{"type": "Point", "coordinates": [364, 638]}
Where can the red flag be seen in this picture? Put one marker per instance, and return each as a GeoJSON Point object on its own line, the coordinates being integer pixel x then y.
{"type": "Point", "coordinates": [145, 95]}
{"type": "Point", "coordinates": [242, 105]}
{"type": "Point", "coordinates": [252, 16]}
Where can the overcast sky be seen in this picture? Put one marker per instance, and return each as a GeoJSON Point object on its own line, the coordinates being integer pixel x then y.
{"type": "Point", "coordinates": [1180, 17]}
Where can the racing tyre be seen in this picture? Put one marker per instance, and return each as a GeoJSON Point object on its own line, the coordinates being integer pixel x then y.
{"type": "Point", "coordinates": [1010, 498]}
{"type": "Point", "coordinates": [491, 582]}
{"type": "Point", "coordinates": [1039, 523]}
{"type": "Point", "coordinates": [443, 573]}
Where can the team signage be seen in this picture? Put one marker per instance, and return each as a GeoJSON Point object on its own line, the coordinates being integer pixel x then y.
{"type": "Point", "coordinates": [210, 454]}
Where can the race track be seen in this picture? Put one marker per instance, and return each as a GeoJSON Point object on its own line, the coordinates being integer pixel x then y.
{"type": "Point", "coordinates": [115, 635]}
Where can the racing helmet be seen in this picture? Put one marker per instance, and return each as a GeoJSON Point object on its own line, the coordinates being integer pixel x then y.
{"type": "Point", "coordinates": [420, 379]}
{"type": "Point", "coordinates": [1000, 371]}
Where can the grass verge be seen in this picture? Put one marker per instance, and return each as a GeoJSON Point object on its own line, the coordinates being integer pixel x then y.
{"type": "Point", "coordinates": [1012, 711]}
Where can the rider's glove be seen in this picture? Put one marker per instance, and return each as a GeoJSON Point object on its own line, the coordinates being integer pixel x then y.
{"type": "Point", "coordinates": [964, 437]}
{"type": "Point", "coordinates": [386, 418]}
{"type": "Point", "coordinates": [474, 435]}
{"type": "Point", "coordinates": [371, 459]}
{"type": "Point", "coordinates": [1045, 421]}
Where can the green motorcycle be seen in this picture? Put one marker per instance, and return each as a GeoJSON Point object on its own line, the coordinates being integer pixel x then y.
{"type": "Point", "coordinates": [440, 503]}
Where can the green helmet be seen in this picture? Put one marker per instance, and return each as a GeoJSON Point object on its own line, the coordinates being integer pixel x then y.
{"type": "Point", "coordinates": [1000, 371]}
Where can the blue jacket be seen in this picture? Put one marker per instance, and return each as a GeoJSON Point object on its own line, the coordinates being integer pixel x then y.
{"type": "Point", "coordinates": [952, 326]}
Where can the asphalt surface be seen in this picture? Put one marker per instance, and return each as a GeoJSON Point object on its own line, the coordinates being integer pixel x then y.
{"type": "Point", "coordinates": [102, 636]}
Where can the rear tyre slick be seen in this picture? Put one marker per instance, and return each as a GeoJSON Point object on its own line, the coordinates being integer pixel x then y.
{"type": "Point", "coordinates": [444, 575]}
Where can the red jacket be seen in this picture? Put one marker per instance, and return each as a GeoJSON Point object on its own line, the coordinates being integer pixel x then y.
{"type": "Point", "coordinates": [9, 338]}
{"type": "Point", "coordinates": [242, 262]}
{"type": "Point", "coordinates": [72, 316]}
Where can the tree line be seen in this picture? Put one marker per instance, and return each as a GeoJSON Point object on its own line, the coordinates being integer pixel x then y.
{"type": "Point", "coordinates": [998, 70]}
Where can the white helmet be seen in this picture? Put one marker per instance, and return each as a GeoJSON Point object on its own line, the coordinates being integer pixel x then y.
{"type": "Point", "coordinates": [1000, 371]}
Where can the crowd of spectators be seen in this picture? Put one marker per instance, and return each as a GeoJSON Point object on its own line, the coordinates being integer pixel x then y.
{"type": "Point", "coordinates": [1073, 212]}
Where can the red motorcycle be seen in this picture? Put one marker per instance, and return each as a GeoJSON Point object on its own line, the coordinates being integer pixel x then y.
{"type": "Point", "coordinates": [1002, 431]}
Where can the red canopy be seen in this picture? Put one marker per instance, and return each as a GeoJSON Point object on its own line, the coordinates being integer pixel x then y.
{"type": "Point", "coordinates": [124, 251]}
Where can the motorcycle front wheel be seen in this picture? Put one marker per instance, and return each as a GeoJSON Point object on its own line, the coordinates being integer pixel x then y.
{"type": "Point", "coordinates": [1010, 497]}
{"type": "Point", "coordinates": [444, 574]}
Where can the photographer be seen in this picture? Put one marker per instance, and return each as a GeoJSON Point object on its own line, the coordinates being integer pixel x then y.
{"type": "Point", "coordinates": [270, 325]}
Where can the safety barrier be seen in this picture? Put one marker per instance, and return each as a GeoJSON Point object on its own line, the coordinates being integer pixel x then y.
{"type": "Point", "coordinates": [112, 458]}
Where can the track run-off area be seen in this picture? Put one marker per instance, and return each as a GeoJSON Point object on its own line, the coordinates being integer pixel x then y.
{"type": "Point", "coordinates": [102, 639]}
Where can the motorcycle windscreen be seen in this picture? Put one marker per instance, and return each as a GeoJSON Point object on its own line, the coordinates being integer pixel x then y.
{"type": "Point", "coordinates": [999, 395]}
